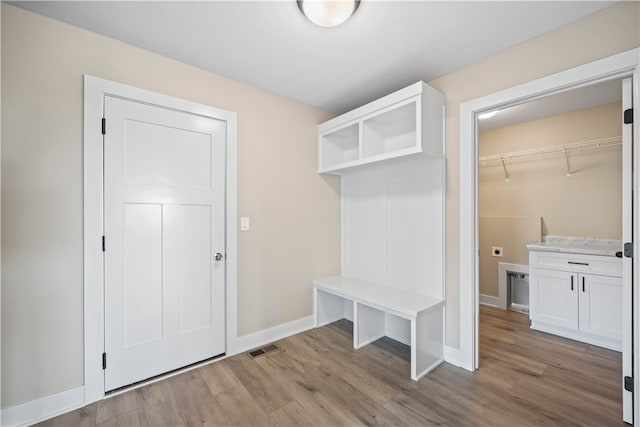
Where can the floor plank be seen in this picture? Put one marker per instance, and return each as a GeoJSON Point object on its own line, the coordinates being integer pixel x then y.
{"type": "Point", "coordinates": [219, 377]}
{"type": "Point", "coordinates": [157, 405]}
{"type": "Point", "coordinates": [291, 414]}
{"type": "Point", "coordinates": [526, 378]}
{"type": "Point", "coordinates": [115, 406]}
{"type": "Point", "coordinates": [127, 419]}
{"type": "Point", "coordinates": [195, 403]}
{"type": "Point", "coordinates": [259, 383]}
{"type": "Point", "coordinates": [240, 408]}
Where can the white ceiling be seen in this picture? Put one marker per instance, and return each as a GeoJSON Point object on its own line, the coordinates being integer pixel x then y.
{"type": "Point", "coordinates": [385, 46]}
{"type": "Point", "coordinates": [564, 102]}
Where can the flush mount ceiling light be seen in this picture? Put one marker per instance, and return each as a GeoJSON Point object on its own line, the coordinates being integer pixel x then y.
{"type": "Point", "coordinates": [488, 115]}
{"type": "Point", "coordinates": [328, 13]}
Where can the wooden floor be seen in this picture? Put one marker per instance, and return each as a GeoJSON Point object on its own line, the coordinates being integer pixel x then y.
{"type": "Point", "coordinates": [316, 378]}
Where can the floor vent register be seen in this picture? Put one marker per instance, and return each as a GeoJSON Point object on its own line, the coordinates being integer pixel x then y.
{"type": "Point", "coordinates": [261, 351]}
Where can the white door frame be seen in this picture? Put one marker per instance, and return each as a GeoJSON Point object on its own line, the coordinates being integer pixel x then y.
{"type": "Point", "coordinates": [625, 64]}
{"type": "Point", "coordinates": [95, 89]}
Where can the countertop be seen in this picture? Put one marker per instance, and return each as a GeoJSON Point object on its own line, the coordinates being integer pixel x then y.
{"type": "Point", "coordinates": [578, 245]}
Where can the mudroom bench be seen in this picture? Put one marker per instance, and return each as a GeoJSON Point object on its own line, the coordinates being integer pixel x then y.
{"type": "Point", "coordinates": [378, 310]}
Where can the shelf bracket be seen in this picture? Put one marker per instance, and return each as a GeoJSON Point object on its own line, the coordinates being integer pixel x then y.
{"type": "Point", "coordinates": [566, 160]}
{"type": "Point", "coordinates": [504, 168]}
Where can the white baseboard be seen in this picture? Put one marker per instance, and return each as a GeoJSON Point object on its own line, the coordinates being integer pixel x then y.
{"type": "Point", "coordinates": [266, 336]}
{"type": "Point", "coordinates": [453, 356]}
{"type": "Point", "coordinates": [43, 408]}
{"type": "Point", "coordinates": [489, 300]}
{"type": "Point", "coordinates": [611, 344]}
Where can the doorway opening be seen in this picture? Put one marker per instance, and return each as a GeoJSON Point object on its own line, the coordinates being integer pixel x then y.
{"type": "Point", "coordinates": [550, 182]}
{"type": "Point", "coordinates": [615, 67]}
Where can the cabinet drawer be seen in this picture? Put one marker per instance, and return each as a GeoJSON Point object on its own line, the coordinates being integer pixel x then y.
{"type": "Point", "coordinates": [578, 263]}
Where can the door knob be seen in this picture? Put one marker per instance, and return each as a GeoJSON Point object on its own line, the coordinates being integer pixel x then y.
{"type": "Point", "coordinates": [218, 256]}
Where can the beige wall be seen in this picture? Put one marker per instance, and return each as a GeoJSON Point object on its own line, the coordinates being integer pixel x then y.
{"type": "Point", "coordinates": [512, 234]}
{"type": "Point", "coordinates": [278, 186]}
{"type": "Point", "coordinates": [295, 233]}
{"type": "Point", "coordinates": [610, 31]}
{"type": "Point", "coordinates": [586, 204]}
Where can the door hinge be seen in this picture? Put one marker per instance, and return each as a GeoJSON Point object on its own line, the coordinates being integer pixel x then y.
{"type": "Point", "coordinates": [104, 126]}
{"type": "Point", "coordinates": [628, 249]}
{"type": "Point", "coordinates": [103, 244]}
{"type": "Point", "coordinates": [628, 384]}
{"type": "Point", "coordinates": [104, 360]}
{"type": "Point", "coordinates": [628, 116]}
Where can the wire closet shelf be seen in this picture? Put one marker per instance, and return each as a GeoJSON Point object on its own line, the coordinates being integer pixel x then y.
{"type": "Point", "coordinates": [542, 153]}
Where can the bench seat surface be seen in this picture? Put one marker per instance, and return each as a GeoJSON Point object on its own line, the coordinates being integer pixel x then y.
{"type": "Point", "coordinates": [403, 303]}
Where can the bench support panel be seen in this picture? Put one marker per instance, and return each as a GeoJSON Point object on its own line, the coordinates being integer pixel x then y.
{"type": "Point", "coordinates": [328, 307]}
{"type": "Point", "coordinates": [427, 342]}
{"type": "Point", "coordinates": [369, 326]}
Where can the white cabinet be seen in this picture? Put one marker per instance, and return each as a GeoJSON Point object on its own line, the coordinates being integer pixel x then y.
{"type": "Point", "coordinates": [409, 121]}
{"type": "Point", "coordinates": [600, 302]}
{"type": "Point", "coordinates": [568, 299]}
{"type": "Point", "coordinates": [553, 298]}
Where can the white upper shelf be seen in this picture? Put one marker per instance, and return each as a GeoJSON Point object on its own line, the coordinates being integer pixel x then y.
{"type": "Point", "coordinates": [409, 121]}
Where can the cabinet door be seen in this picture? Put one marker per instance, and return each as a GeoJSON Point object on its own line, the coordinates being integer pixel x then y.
{"type": "Point", "coordinates": [600, 304]}
{"type": "Point", "coordinates": [554, 298]}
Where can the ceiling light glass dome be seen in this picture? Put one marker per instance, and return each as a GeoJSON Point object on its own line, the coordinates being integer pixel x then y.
{"type": "Point", "coordinates": [328, 13]}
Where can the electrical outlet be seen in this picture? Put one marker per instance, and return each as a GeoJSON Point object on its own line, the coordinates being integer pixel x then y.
{"type": "Point", "coordinates": [496, 251]}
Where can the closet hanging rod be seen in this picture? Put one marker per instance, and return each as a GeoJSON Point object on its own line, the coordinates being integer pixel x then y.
{"type": "Point", "coordinates": [544, 152]}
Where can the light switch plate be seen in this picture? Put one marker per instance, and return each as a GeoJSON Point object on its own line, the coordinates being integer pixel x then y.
{"type": "Point", "coordinates": [245, 223]}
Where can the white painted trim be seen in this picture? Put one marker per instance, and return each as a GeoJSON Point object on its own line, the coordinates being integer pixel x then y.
{"type": "Point", "coordinates": [613, 67]}
{"type": "Point", "coordinates": [43, 408]}
{"type": "Point", "coordinates": [573, 334]}
{"type": "Point", "coordinates": [453, 356]}
{"type": "Point", "coordinates": [489, 300]}
{"type": "Point", "coordinates": [266, 336]}
{"type": "Point", "coordinates": [627, 263]}
{"type": "Point", "coordinates": [231, 291]}
{"type": "Point", "coordinates": [503, 269]}
{"type": "Point", "coordinates": [636, 245]}
{"type": "Point", "coordinates": [95, 89]}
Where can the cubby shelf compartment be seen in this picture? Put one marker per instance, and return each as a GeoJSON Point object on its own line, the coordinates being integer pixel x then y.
{"type": "Point", "coordinates": [407, 122]}
{"type": "Point", "coordinates": [341, 146]}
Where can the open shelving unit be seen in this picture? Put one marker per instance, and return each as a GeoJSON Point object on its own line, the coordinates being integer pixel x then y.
{"type": "Point", "coordinates": [390, 131]}
{"type": "Point", "coordinates": [391, 281]}
{"type": "Point", "coordinates": [409, 121]}
{"type": "Point", "coordinates": [341, 146]}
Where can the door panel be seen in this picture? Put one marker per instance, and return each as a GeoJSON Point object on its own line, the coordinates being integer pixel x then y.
{"type": "Point", "coordinates": [164, 221]}
{"type": "Point", "coordinates": [142, 273]}
{"type": "Point", "coordinates": [162, 155]}
{"type": "Point", "coordinates": [600, 303]}
{"type": "Point", "coordinates": [195, 277]}
{"type": "Point", "coordinates": [555, 300]}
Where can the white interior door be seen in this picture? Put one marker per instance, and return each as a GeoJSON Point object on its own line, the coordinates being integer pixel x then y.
{"type": "Point", "coordinates": [627, 262]}
{"type": "Point", "coordinates": [164, 205]}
